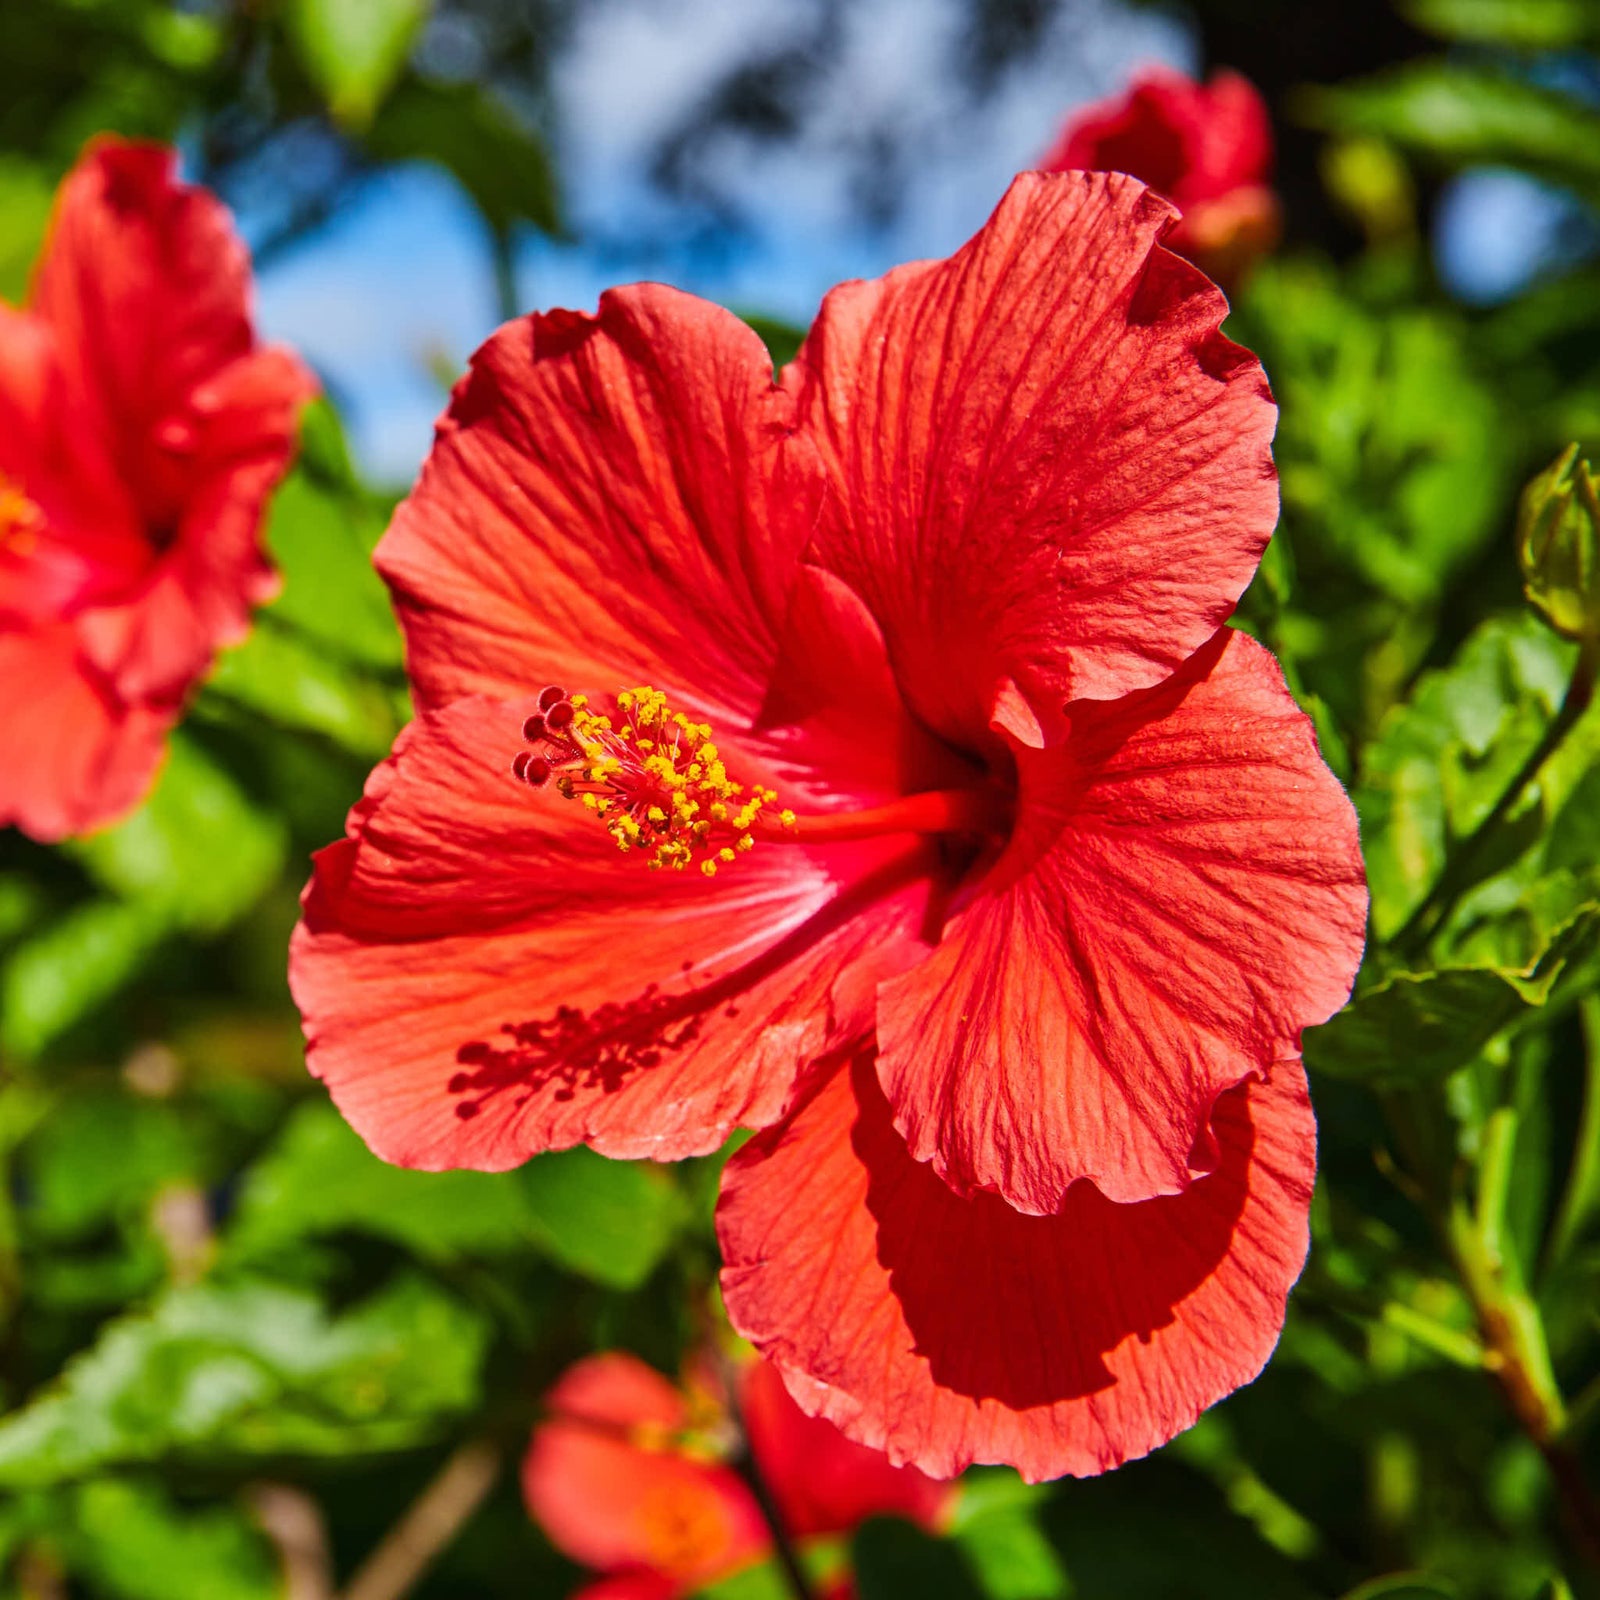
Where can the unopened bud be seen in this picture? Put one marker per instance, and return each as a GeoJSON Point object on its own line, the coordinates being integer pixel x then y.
{"type": "Point", "coordinates": [1558, 546]}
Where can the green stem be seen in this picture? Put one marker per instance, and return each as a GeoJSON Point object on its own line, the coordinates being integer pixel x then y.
{"type": "Point", "coordinates": [1519, 1356]}
{"type": "Point", "coordinates": [431, 1523]}
{"type": "Point", "coordinates": [1581, 1196]}
{"type": "Point", "coordinates": [1494, 1182]}
{"type": "Point", "coordinates": [1424, 922]}
{"type": "Point", "coordinates": [505, 273]}
{"type": "Point", "coordinates": [745, 1464]}
{"type": "Point", "coordinates": [1583, 1410]}
{"type": "Point", "coordinates": [1451, 1343]}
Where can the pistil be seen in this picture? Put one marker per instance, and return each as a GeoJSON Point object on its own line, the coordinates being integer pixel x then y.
{"type": "Point", "coordinates": [657, 782]}
{"type": "Point", "coordinates": [958, 811]}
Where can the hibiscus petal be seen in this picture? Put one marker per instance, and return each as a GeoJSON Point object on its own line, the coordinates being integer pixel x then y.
{"type": "Point", "coordinates": [821, 1481]}
{"type": "Point", "coordinates": [88, 542]}
{"type": "Point", "coordinates": [71, 758]}
{"type": "Point", "coordinates": [146, 286]}
{"type": "Point", "coordinates": [483, 975]}
{"type": "Point", "coordinates": [607, 498]}
{"type": "Point", "coordinates": [200, 593]}
{"type": "Point", "coordinates": [1047, 464]}
{"type": "Point", "coordinates": [948, 1330]}
{"type": "Point", "coordinates": [1183, 893]}
{"type": "Point", "coordinates": [609, 1503]}
{"type": "Point", "coordinates": [631, 1586]}
{"type": "Point", "coordinates": [617, 1389]}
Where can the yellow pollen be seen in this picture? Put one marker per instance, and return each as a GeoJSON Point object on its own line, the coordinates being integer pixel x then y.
{"type": "Point", "coordinates": [650, 774]}
{"type": "Point", "coordinates": [20, 519]}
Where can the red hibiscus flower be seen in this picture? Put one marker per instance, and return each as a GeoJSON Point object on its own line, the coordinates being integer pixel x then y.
{"type": "Point", "coordinates": [1206, 147]}
{"type": "Point", "coordinates": [628, 1475]}
{"type": "Point", "coordinates": [141, 427]}
{"type": "Point", "coordinates": [1008, 881]}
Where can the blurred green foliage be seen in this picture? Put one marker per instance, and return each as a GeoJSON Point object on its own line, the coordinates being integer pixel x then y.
{"type": "Point", "coordinates": [222, 1319]}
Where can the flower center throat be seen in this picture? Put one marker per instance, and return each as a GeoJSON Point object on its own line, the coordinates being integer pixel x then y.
{"type": "Point", "coordinates": [657, 782]}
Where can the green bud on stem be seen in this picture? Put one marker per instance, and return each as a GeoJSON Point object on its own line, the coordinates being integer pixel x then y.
{"type": "Point", "coordinates": [1558, 546]}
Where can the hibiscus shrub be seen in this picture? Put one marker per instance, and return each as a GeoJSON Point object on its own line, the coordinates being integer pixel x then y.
{"type": "Point", "coordinates": [954, 954]}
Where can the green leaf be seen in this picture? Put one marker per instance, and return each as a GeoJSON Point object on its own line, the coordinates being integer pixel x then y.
{"type": "Point", "coordinates": [1390, 448]}
{"type": "Point", "coordinates": [1457, 115]}
{"type": "Point", "coordinates": [1415, 1028]}
{"type": "Point", "coordinates": [102, 1155]}
{"type": "Point", "coordinates": [894, 1559]}
{"type": "Point", "coordinates": [1420, 1027]}
{"type": "Point", "coordinates": [25, 198]}
{"type": "Point", "coordinates": [612, 1221]}
{"type": "Point", "coordinates": [1404, 1586]}
{"type": "Point", "coordinates": [322, 540]}
{"type": "Point", "coordinates": [292, 683]}
{"type": "Point", "coordinates": [1520, 24]}
{"type": "Point", "coordinates": [1441, 761]}
{"type": "Point", "coordinates": [1010, 1557]}
{"type": "Point", "coordinates": [354, 50]}
{"type": "Point", "coordinates": [326, 656]}
{"type": "Point", "coordinates": [134, 1543]}
{"type": "Point", "coordinates": [319, 1178]}
{"type": "Point", "coordinates": [764, 1581]}
{"type": "Point", "coordinates": [251, 1369]}
{"type": "Point", "coordinates": [20, 904]}
{"type": "Point", "coordinates": [1573, 841]}
{"type": "Point", "coordinates": [475, 137]}
{"type": "Point", "coordinates": [782, 339]}
{"type": "Point", "coordinates": [56, 978]}
{"type": "Point", "coordinates": [197, 853]}
{"type": "Point", "coordinates": [608, 1220]}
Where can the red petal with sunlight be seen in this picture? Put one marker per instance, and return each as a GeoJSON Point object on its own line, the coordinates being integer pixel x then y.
{"type": "Point", "coordinates": [606, 503]}
{"type": "Point", "coordinates": [630, 1586]}
{"type": "Point", "coordinates": [70, 533]}
{"type": "Point", "coordinates": [1191, 142]}
{"type": "Point", "coordinates": [823, 1482]}
{"type": "Point", "coordinates": [617, 1390]}
{"type": "Point", "coordinates": [948, 1330]}
{"type": "Point", "coordinates": [1182, 894]}
{"type": "Point", "coordinates": [1049, 470]}
{"type": "Point", "coordinates": [610, 1503]}
{"type": "Point", "coordinates": [199, 597]}
{"type": "Point", "coordinates": [483, 975]}
{"type": "Point", "coordinates": [147, 287]}
{"type": "Point", "coordinates": [143, 429]}
{"type": "Point", "coordinates": [72, 757]}
{"type": "Point", "coordinates": [1207, 147]}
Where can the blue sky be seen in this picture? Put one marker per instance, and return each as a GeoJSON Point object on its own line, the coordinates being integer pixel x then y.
{"type": "Point", "coordinates": [399, 285]}
{"type": "Point", "coordinates": [403, 274]}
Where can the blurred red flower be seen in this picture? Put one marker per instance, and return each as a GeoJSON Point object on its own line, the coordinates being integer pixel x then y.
{"type": "Point", "coordinates": [141, 427]}
{"type": "Point", "coordinates": [1018, 990]}
{"type": "Point", "coordinates": [628, 1475]}
{"type": "Point", "coordinates": [1206, 147]}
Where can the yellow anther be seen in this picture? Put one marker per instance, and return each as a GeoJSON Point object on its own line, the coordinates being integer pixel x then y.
{"type": "Point", "coordinates": [657, 781]}
{"type": "Point", "coordinates": [21, 521]}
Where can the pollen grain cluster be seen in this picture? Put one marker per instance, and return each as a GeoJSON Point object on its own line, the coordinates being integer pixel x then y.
{"type": "Point", "coordinates": [20, 519]}
{"type": "Point", "coordinates": [650, 774]}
